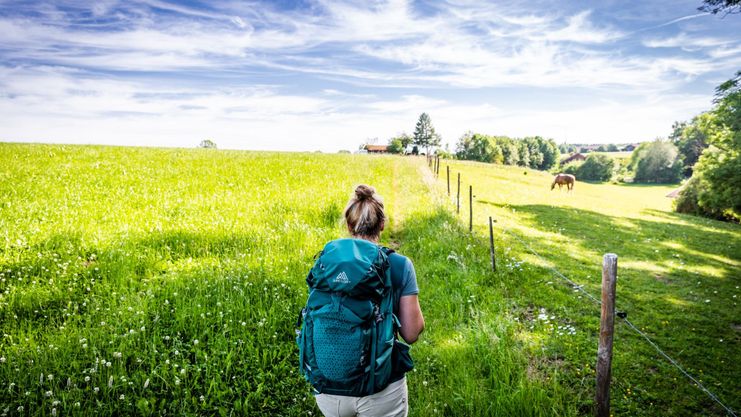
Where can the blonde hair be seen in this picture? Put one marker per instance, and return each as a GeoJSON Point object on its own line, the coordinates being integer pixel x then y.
{"type": "Point", "coordinates": [364, 212]}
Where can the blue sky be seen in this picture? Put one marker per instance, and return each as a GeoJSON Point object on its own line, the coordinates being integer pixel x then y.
{"type": "Point", "coordinates": [327, 75]}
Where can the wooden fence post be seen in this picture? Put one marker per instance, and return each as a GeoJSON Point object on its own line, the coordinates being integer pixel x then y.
{"type": "Point", "coordinates": [491, 246]}
{"type": "Point", "coordinates": [447, 168]}
{"type": "Point", "coordinates": [607, 328]}
{"type": "Point", "coordinates": [458, 196]}
{"type": "Point", "coordinates": [470, 208]}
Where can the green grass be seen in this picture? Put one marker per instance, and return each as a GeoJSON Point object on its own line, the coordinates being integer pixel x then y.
{"type": "Point", "coordinates": [154, 281]}
{"type": "Point", "coordinates": [679, 279]}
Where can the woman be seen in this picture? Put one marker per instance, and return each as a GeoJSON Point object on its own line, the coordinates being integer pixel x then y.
{"type": "Point", "coordinates": [366, 220]}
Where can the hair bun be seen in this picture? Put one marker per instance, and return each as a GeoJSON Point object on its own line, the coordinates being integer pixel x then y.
{"type": "Point", "coordinates": [364, 192]}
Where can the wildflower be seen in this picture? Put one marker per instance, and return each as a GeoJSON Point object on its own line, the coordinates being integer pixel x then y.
{"type": "Point", "coordinates": [77, 404]}
{"type": "Point", "coordinates": [202, 398]}
{"type": "Point", "coordinates": [195, 342]}
{"type": "Point", "coordinates": [48, 393]}
{"type": "Point", "coordinates": [177, 381]}
{"type": "Point", "coordinates": [87, 379]}
{"type": "Point", "coordinates": [146, 383]}
{"type": "Point", "coordinates": [122, 397]}
{"type": "Point", "coordinates": [110, 382]}
{"type": "Point", "coordinates": [54, 412]}
{"type": "Point", "coordinates": [2, 359]}
{"type": "Point", "coordinates": [108, 364]}
{"type": "Point", "coordinates": [117, 355]}
{"type": "Point", "coordinates": [20, 409]}
{"type": "Point", "coordinates": [142, 328]}
{"type": "Point", "coordinates": [182, 371]}
{"type": "Point", "coordinates": [96, 389]}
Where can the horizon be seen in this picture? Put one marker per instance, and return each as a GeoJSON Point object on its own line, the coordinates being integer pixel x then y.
{"type": "Point", "coordinates": [310, 76]}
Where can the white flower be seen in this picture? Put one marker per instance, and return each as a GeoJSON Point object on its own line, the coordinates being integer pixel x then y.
{"type": "Point", "coordinates": [195, 342]}
{"type": "Point", "coordinates": [177, 381]}
{"type": "Point", "coordinates": [108, 364]}
{"type": "Point", "coordinates": [117, 355]}
{"type": "Point", "coordinates": [96, 389]}
{"type": "Point", "coordinates": [87, 379]}
{"type": "Point", "coordinates": [202, 398]}
{"type": "Point", "coordinates": [54, 412]}
{"type": "Point", "coordinates": [20, 408]}
{"type": "Point", "coordinates": [48, 393]}
{"type": "Point", "coordinates": [122, 397]}
{"type": "Point", "coordinates": [110, 381]}
{"type": "Point", "coordinates": [146, 383]}
{"type": "Point", "coordinates": [2, 359]}
{"type": "Point", "coordinates": [182, 371]}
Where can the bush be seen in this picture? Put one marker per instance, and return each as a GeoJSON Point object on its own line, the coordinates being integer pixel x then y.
{"type": "Point", "coordinates": [597, 167]}
{"type": "Point", "coordinates": [656, 162]}
{"type": "Point", "coordinates": [572, 168]}
{"type": "Point", "coordinates": [687, 200]}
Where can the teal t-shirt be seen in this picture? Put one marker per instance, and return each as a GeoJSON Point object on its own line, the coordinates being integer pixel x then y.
{"type": "Point", "coordinates": [403, 278]}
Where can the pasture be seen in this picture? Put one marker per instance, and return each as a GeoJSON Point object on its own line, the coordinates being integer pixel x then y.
{"type": "Point", "coordinates": [678, 280]}
{"type": "Point", "coordinates": [156, 281]}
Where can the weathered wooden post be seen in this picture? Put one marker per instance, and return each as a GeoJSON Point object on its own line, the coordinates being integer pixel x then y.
{"type": "Point", "coordinates": [607, 328]}
{"type": "Point", "coordinates": [470, 208]}
{"type": "Point", "coordinates": [447, 168]}
{"type": "Point", "coordinates": [491, 246]}
{"type": "Point", "coordinates": [458, 196]}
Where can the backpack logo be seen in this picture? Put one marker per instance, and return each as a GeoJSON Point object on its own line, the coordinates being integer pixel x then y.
{"type": "Point", "coordinates": [342, 278]}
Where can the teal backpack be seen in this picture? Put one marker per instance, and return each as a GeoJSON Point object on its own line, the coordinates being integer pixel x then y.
{"type": "Point", "coordinates": [349, 327]}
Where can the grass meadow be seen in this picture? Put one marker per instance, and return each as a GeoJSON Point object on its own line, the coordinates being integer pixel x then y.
{"type": "Point", "coordinates": [678, 280]}
{"type": "Point", "coordinates": [141, 281]}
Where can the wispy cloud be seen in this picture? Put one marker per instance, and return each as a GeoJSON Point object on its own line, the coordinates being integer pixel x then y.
{"type": "Point", "coordinates": [160, 65]}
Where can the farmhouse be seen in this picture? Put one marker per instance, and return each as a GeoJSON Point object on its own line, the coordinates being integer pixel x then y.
{"type": "Point", "coordinates": [573, 157]}
{"type": "Point", "coordinates": [377, 148]}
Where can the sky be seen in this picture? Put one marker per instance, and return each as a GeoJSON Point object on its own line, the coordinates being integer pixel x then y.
{"type": "Point", "coordinates": [307, 75]}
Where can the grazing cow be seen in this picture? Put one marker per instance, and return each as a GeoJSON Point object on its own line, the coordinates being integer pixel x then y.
{"type": "Point", "coordinates": [562, 179]}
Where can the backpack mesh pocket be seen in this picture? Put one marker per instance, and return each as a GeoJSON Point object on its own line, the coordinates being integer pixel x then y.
{"type": "Point", "coordinates": [338, 347]}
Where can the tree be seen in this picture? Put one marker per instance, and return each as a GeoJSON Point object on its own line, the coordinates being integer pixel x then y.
{"type": "Point", "coordinates": [208, 144]}
{"type": "Point", "coordinates": [523, 154]}
{"type": "Point", "coordinates": [612, 148]}
{"type": "Point", "coordinates": [717, 174]}
{"type": "Point", "coordinates": [477, 147]}
{"type": "Point", "coordinates": [396, 146]}
{"type": "Point", "coordinates": [691, 139]}
{"type": "Point", "coordinates": [656, 162]}
{"type": "Point", "coordinates": [602, 148]}
{"type": "Point", "coordinates": [550, 152]}
{"type": "Point", "coordinates": [597, 167]}
{"type": "Point", "coordinates": [424, 133]}
{"type": "Point", "coordinates": [718, 6]}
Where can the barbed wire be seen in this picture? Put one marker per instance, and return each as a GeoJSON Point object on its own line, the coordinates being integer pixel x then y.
{"type": "Point", "coordinates": [628, 322]}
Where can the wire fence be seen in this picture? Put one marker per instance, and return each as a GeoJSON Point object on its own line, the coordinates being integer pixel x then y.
{"type": "Point", "coordinates": [620, 314]}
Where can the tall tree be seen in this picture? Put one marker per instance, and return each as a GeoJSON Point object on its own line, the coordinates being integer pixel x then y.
{"type": "Point", "coordinates": [718, 170]}
{"type": "Point", "coordinates": [424, 133]}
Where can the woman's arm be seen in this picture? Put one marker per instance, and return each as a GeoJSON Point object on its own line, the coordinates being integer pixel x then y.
{"type": "Point", "coordinates": [410, 316]}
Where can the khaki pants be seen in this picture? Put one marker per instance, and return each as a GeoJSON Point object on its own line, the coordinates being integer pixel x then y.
{"type": "Point", "coordinates": [391, 402]}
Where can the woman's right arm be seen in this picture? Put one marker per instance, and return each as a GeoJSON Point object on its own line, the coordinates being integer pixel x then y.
{"type": "Point", "coordinates": [410, 316]}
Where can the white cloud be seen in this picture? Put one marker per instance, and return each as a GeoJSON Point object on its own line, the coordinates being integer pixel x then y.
{"type": "Point", "coordinates": [427, 59]}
